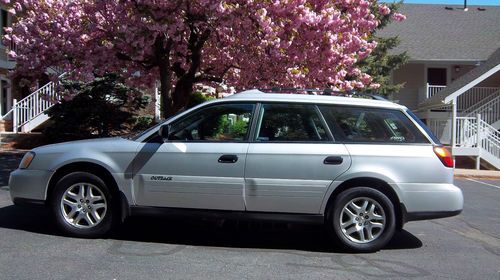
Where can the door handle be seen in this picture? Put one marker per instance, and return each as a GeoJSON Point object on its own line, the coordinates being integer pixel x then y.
{"type": "Point", "coordinates": [228, 159]}
{"type": "Point", "coordinates": [335, 160]}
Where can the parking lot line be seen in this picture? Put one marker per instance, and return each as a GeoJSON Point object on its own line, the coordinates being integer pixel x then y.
{"type": "Point", "coordinates": [491, 185]}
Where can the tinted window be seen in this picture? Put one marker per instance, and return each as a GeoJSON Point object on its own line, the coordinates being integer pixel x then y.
{"type": "Point", "coordinates": [290, 122]}
{"type": "Point", "coordinates": [424, 126]}
{"type": "Point", "coordinates": [228, 122]}
{"type": "Point", "coordinates": [357, 124]}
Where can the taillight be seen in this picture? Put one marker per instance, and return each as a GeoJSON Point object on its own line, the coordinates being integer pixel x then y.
{"type": "Point", "coordinates": [444, 155]}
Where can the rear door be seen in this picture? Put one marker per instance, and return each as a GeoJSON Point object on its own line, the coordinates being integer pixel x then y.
{"type": "Point", "coordinates": [383, 142]}
{"type": "Point", "coordinates": [292, 160]}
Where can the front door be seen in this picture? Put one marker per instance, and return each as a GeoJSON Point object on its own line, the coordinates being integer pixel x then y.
{"type": "Point", "coordinates": [293, 160]}
{"type": "Point", "coordinates": [437, 76]}
{"type": "Point", "coordinates": [202, 163]}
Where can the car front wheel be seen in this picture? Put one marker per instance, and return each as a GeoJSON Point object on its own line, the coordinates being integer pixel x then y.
{"type": "Point", "coordinates": [361, 219]}
{"type": "Point", "coordinates": [82, 205]}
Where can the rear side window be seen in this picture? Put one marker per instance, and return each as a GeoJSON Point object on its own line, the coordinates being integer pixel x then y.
{"type": "Point", "coordinates": [361, 125]}
{"type": "Point", "coordinates": [424, 126]}
{"type": "Point", "coordinates": [290, 123]}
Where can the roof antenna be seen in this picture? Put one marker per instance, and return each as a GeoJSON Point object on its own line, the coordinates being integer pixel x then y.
{"type": "Point", "coordinates": [465, 6]}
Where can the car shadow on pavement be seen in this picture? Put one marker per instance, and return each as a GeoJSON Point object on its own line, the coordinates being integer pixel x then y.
{"type": "Point", "coordinates": [201, 232]}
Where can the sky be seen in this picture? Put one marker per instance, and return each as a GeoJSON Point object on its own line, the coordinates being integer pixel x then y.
{"type": "Point", "coordinates": [453, 2]}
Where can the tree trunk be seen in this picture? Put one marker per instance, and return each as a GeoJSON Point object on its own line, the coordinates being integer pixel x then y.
{"type": "Point", "coordinates": [173, 100]}
{"type": "Point", "coordinates": [166, 106]}
{"type": "Point", "coordinates": [182, 93]}
{"type": "Point", "coordinates": [177, 99]}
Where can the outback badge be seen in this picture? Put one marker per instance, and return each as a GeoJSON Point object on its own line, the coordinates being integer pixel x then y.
{"type": "Point", "coordinates": [160, 178]}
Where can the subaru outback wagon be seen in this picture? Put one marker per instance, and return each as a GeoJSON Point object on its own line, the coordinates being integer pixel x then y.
{"type": "Point", "coordinates": [361, 167]}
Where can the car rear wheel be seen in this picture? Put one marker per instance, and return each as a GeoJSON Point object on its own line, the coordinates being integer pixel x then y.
{"type": "Point", "coordinates": [361, 219]}
{"type": "Point", "coordinates": [83, 205]}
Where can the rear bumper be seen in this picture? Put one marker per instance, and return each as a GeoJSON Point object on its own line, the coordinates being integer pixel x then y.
{"type": "Point", "coordinates": [423, 201]}
{"type": "Point", "coordinates": [28, 185]}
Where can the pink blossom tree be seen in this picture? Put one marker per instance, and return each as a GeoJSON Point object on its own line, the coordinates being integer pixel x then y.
{"type": "Point", "coordinates": [242, 43]}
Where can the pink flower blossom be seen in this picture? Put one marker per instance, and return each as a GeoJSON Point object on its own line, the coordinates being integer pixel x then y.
{"type": "Point", "coordinates": [12, 54]}
{"type": "Point", "coordinates": [384, 10]}
{"type": "Point", "coordinates": [398, 17]}
{"type": "Point", "coordinates": [244, 43]}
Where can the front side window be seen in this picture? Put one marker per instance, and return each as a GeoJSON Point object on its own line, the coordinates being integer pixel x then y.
{"type": "Point", "coordinates": [290, 123]}
{"type": "Point", "coordinates": [358, 124]}
{"type": "Point", "coordinates": [226, 122]}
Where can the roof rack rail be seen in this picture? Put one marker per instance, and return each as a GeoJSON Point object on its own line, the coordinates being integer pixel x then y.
{"type": "Point", "coordinates": [326, 91]}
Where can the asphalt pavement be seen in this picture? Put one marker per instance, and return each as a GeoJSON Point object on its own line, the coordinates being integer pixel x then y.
{"type": "Point", "coordinates": [462, 247]}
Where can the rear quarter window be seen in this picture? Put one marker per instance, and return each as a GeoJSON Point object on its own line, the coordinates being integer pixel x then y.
{"type": "Point", "coordinates": [371, 125]}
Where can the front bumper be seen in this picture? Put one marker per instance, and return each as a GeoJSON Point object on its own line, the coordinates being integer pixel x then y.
{"type": "Point", "coordinates": [29, 185]}
{"type": "Point", "coordinates": [430, 201]}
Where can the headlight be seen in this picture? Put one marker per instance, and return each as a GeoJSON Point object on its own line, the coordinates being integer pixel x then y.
{"type": "Point", "coordinates": [27, 159]}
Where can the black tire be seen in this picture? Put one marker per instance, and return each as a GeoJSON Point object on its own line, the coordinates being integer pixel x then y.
{"type": "Point", "coordinates": [110, 215]}
{"type": "Point", "coordinates": [353, 241]}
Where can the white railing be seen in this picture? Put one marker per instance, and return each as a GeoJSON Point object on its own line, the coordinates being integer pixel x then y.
{"type": "Point", "coordinates": [34, 105]}
{"type": "Point", "coordinates": [473, 132]}
{"type": "Point", "coordinates": [490, 138]}
{"type": "Point", "coordinates": [467, 99]}
{"type": "Point", "coordinates": [474, 96]}
{"type": "Point", "coordinates": [441, 129]}
{"type": "Point", "coordinates": [466, 135]}
{"type": "Point", "coordinates": [488, 108]}
{"type": "Point", "coordinates": [433, 89]}
{"type": "Point", "coordinates": [481, 103]}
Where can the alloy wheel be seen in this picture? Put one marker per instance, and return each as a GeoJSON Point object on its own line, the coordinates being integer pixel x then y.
{"type": "Point", "coordinates": [83, 205]}
{"type": "Point", "coordinates": [362, 220]}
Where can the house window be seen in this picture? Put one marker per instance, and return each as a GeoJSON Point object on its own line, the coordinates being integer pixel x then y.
{"type": "Point", "coordinates": [437, 76]}
{"type": "Point", "coordinates": [4, 15]}
{"type": "Point", "coordinates": [3, 97]}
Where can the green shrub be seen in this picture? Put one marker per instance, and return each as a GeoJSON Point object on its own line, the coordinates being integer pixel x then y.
{"type": "Point", "coordinates": [143, 122]}
{"type": "Point", "coordinates": [101, 108]}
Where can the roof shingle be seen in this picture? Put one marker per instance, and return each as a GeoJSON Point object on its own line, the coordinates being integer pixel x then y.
{"type": "Point", "coordinates": [432, 32]}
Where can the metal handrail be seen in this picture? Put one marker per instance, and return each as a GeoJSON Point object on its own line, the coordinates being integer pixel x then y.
{"type": "Point", "coordinates": [34, 104]}
{"type": "Point", "coordinates": [481, 104]}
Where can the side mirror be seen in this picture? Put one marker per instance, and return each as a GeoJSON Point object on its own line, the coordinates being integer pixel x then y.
{"type": "Point", "coordinates": [164, 131]}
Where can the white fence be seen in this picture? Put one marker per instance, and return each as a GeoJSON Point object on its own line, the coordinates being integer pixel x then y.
{"type": "Point", "coordinates": [469, 98]}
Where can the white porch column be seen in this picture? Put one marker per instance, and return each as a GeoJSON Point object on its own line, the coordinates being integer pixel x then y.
{"type": "Point", "coordinates": [479, 139]}
{"type": "Point", "coordinates": [453, 122]}
{"type": "Point", "coordinates": [157, 103]}
{"type": "Point", "coordinates": [14, 115]}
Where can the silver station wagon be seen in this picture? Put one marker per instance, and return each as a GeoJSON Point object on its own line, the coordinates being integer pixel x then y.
{"type": "Point", "coordinates": [361, 167]}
